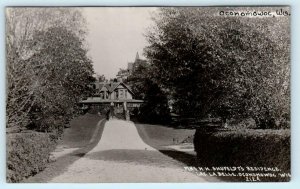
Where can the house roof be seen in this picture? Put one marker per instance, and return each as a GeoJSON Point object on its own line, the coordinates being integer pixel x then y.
{"type": "Point", "coordinates": [115, 85]}
{"type": "Point", "coordinates": [96, 100]}
{"type": "Point", "coordinates": [99, 85]}
{"type": "Point", "coordinates": [110, 86]}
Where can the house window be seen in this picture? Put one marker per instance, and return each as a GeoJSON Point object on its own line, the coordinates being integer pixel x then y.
{"type": "Point", "coordinates": [116, 94]}
{"type": "Point", "coordinates": [121, 94]}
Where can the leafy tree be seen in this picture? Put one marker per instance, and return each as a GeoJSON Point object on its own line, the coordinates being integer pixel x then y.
{"type": "Point", "coordinates": [138, 79]}
{"type": "Point", "coordinates": [63, 73]}
{"type": "Point", "coordinates": [47, 67]}
{"type": "Point", "coordinates": [23, 23]}
{"type": "Point", "coordinates": [221, 65]}
{"type": "Point", "coordinates": [101, 78]}
{"type": "Point", "coordinates": [155, 108]}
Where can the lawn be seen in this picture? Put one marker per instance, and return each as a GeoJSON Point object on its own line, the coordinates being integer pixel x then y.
{"type": "Point", "coordinates": [159, 136]}
{"type": "Point", "coordinates": [82, 136]}
{"type": "Point", "coordinates": [81, 131]}
{"type": "Point", "coordinates": [164, 137]}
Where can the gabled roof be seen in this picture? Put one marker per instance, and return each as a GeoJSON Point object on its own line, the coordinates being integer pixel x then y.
{"type": "Point", "coordinates": [115, 85]}
{"type": "Point", "coordinates": [98, 85]}
{"type": "Point", "coordinates": [103, 88]}
{"type": "Point", "coordinates": [110, 87]}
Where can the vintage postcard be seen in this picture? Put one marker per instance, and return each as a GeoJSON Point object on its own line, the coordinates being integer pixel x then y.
{"type": "Point", "coordinates": [148, 94]}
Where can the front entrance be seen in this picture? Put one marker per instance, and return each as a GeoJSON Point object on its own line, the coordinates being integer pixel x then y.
{"type": "Point", "coordinates": [118, 110]}
{"type": "Point", "coordinates": [121, 110]}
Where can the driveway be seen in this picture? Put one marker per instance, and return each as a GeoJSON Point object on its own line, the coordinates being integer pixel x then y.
{"type": "Point", "coordinates": [122, 156]}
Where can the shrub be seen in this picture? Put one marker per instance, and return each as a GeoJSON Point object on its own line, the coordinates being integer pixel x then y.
{"type": "Point", "coordinates": [27, 154]}
{"type": "Point", "coordinates": [248, 147]}
{"type": "Point", "coordinates": [47, 124]}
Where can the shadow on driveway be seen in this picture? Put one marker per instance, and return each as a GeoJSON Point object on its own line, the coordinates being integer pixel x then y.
{"type": "Point", "coordinates": [144, 157]}
{"type": "Point", "coordinates": [62, 163]}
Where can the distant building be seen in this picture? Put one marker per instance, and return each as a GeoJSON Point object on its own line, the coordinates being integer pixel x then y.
{"type": "Point", "coordinates": [130, 67]}
{"type": "Point", "coordinates": [123, 74]}
{"type": "Point", "coordinates": [133, 65]}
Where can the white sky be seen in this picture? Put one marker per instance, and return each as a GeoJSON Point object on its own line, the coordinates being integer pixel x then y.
{"type": "Point", "coordinates": [115, 35]}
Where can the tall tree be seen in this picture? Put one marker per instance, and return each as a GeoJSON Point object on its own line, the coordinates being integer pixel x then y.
{"type": "Point", "coordinates": [63, 72]}
{"type": "Point", "coordinates": [155, 108]}
{"type": "Point", "coordinates": [47, 67]}
{"type": "Point", "coordinates": [221, 65]}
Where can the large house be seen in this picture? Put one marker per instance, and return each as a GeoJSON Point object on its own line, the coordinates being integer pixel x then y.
{"type": "Point", "coordinates": [116, 93]}
{"type": "Point", "coordinates": [111, 93]}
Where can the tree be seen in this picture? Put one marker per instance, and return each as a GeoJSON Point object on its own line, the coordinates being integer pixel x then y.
{"type": "Point", "coordinates": [155, 108]}
{"type": "Point", "coordinates": [22, 23]}
{"type": "Point", "coordinates": [63, 73]}
{"type": "Point", "coordinates": [47, 67]}
{"type": "Point", "coordinates": [101, 78]}
{"type": "Point", "coordinates": [215, 64]}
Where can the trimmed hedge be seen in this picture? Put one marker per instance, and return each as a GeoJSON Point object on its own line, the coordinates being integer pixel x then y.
{"type": "Point", "coordinates": [27, 154]}
{"type": "Point", "coordinates": [249, 147]}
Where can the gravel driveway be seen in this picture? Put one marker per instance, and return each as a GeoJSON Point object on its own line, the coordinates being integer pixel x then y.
{"type": "Point", "coordinates": [122, 156]}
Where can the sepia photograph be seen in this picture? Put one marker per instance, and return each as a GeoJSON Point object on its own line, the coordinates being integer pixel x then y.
{"type": "Point", "coordinates": [148, 94]}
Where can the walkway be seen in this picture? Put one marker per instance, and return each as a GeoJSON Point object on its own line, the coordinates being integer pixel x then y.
{"type": "Point", "coordinates": [122, 156]}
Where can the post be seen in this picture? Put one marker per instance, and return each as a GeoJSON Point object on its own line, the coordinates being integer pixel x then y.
{"type": "Point", "coordinates": [125, 105]}
{"type": "Point", "coordinates": [112, 112]}
{"type": "Point", "coordinates": [126, 112]}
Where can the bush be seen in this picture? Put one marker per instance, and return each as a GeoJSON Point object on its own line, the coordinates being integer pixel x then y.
{"type": "Point", "coordinates": [95, 109]}
{"type": "Point", "coordinates": [151, 117]}
{"type": "Point", "coordinates": [249, 147]}
{"type": "Point", "coordinates": [47, 124]}
{"type": "Point", "coordinates": [27, 154]}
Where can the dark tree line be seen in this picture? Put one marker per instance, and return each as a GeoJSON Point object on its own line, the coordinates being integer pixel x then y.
{"type": "Point", "coordinates": [155, 108]}
{"type": "Point", "coordinates": [48, 70]}
{"type": "Point", "coordinates": [222, 66]}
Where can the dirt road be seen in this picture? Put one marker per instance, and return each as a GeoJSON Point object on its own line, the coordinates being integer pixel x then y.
{"type": "Point", "coordinates": [122, 156]}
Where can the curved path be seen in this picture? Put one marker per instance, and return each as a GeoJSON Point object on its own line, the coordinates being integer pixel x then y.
{"type": "Point", "coordinates": [122, 156]}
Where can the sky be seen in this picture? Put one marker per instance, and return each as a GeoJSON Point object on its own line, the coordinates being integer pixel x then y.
{"type": "Point", "coordinates": [115, 35]}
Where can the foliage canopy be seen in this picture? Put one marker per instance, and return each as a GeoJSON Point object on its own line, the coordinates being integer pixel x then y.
{"type": "Point", "coordinates": [225, 66]}
{"type": "Point", "coordinates": [48, 70]}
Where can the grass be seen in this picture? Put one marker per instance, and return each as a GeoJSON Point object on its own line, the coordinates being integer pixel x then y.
{"type": "Point", "coordinates": [82, 130]}
{"type": "Point", "coordinates": [160, 135]}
